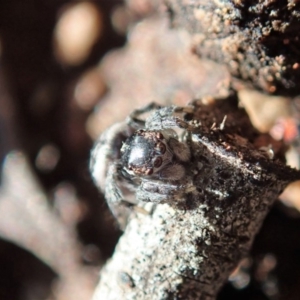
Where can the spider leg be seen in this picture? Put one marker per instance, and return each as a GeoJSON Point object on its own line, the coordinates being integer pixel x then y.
{"type": "Point", "coordinates": [157, 191]}
{"type": "Point", "coordinates": [165, 118]}
{"type": "Point", "coordinates": [181, 150]}
{"type": "Point", "coordinates": [120, 208]}
{"type": "Point", "coordinates": [107, 150]}
{"type": "Point", "coordinates": [134, 121]}
{"type": "Point", "coordinates": [172, 172]}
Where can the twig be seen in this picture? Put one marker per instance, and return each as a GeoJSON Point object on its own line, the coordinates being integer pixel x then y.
{"type": "Point", "coordinates": [188, 252]}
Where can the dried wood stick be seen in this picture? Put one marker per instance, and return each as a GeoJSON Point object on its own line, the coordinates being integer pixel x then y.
{"type": "Point", "coordinates": [186, 250]}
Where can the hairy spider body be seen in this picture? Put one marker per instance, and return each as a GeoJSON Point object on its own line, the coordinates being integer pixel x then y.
{"type": "Point", "coordinates": [144, 160]}
{"type": "Point", "coordinates": [153, 153]}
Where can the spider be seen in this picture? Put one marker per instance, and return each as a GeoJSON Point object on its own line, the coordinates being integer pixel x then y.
{"type": "Point", "coordinates": [143, 160]}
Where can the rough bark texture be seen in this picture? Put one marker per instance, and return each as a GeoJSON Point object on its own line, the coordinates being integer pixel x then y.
{"type": "Point", "coordinates": [257, 40]}
{"type": "Point", "coordinates": [188, 251]}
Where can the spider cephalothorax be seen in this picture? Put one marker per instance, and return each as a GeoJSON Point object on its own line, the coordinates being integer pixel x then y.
{"type": "Point", "coordinates": [145, 152]}
{"type": "Point", "coordinates": [148, 153]}
{"type": "Point", "coordinates": [151, 164]}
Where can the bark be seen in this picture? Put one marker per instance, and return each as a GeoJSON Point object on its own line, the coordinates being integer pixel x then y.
{"type": "Point", "coordinates": [257, 40]}
{"type": "Point", "coordinates": [187, 250]}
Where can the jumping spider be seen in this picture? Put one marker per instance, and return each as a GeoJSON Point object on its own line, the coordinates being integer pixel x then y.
{"type": "Point", "coordinates": [143, 160]}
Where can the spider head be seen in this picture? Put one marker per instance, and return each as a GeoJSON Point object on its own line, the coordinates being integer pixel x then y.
{"type": "Point", "coordinates": [146, 152]}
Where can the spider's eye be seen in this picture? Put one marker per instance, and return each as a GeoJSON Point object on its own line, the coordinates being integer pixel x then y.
{"type": "Point", "coordinates": [159, 135]}
{"type": "Point", "coordinates": [157, 162]}
{"type": "Point", "coordinates": [149, 171]}
{"type": "Point", "coordinates": [160, 147]}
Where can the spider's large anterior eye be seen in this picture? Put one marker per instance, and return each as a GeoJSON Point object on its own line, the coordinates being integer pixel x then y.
{"type": "Point", "coordinates": [159, 135]}
{"type": "Point", "coordinates": [157, 162]}
{"type": "Point", "coordinates": [161, 147]}
{"type": "Point", "coordinates": [149, 171]}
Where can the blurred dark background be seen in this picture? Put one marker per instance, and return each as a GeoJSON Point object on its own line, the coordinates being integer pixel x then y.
{"type": "Point", "coordinates": [68, 69]}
